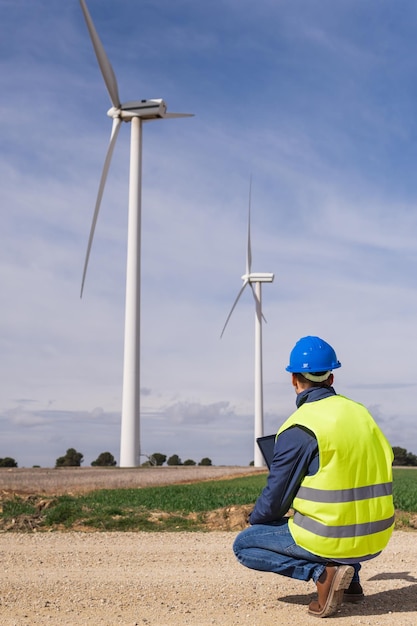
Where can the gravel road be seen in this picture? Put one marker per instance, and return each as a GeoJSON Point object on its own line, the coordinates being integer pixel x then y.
{"type": "Point", "coordinates": [158, 579]}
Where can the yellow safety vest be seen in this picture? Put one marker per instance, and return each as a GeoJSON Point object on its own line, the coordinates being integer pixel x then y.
{"type": "Point", "coordinates": [346, 509]}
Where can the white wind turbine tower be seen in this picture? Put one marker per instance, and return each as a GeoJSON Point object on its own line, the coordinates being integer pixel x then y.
{"type": "Point", "coordinates": [255, 280]}
{"type": "Point", "coordinates": [135, 112]}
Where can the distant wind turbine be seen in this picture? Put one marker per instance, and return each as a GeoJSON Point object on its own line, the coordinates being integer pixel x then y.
{"type": "Point", "coordinates": [135, 112]}
{"type": "Point", "coordinates": [254, 280]}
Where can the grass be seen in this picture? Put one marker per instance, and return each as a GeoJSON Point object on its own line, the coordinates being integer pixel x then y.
{"type": "Point", "coordinates": [173, 507]}
{"type": "Point", "coordinates": [129, 509]}
{"type": "Point", "coordinates": [405, 490]}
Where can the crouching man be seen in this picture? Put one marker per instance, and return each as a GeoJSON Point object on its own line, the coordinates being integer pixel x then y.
{"type": "Point", "coordinates": [333, 466]}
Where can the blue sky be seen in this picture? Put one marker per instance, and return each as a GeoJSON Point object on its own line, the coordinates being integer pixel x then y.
{"type": "Point", "coordinates": [317, 101]}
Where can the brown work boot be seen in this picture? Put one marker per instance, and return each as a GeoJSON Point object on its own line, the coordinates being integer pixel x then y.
{"type": "Point", "coordinates": [330, 587]}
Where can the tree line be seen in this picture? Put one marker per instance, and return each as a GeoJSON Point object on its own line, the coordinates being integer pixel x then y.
{"type": "Point", "coordinates": [72, 458]}
{"type": "Point", "coordinates": [159, 459]}
{"type": "Point", "coordinates": [106, 459]}
{"type": "Point", "coordinates": [404, 458]}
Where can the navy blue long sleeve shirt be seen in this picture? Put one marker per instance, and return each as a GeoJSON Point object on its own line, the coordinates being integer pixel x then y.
{"type": "Point", "coordinates": [296, 455]}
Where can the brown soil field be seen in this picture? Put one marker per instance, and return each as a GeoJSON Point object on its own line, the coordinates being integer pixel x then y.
{"type": "Point", "coordinates": [82, 479]}
{"type": "Point", "coordinates": [171, 579]}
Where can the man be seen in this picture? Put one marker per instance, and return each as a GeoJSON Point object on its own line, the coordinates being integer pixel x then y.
{"type": "Point", "coordinates": [333, 466]}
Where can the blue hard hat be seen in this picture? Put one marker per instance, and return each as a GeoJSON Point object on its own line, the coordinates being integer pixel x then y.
{"type": "Point", "coordinates": [312, 354]}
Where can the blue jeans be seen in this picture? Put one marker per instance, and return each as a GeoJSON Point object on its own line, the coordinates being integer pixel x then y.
{"type": "Point", "coordinates": [271, 548]}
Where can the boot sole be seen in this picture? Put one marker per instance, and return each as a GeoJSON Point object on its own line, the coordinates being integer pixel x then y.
{"type": "Point", "coordinates": [340, 582]}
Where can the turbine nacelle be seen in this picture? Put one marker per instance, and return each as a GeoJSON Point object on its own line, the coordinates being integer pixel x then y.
{"type": "Point", "coordinates": [153, 109]}
{"type": "Point", "coordinates": [257, 277]}
{"type": "Point", "coordinates": [145, 109]}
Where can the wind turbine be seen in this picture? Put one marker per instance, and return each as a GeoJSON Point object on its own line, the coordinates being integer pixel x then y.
{"type": "Point", "coordinates": [135, 112]}
{"type": "Point", "coordinates": [254, 280]}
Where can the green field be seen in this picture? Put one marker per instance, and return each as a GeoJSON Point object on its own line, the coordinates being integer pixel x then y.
{"type": "Point", "coordinates": [405, 489]}
{"type": "Point", "coordinates": [174, 507]}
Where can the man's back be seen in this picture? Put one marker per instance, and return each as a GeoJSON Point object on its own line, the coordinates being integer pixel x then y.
{"type": "Point", "coordinates": [344, 510]}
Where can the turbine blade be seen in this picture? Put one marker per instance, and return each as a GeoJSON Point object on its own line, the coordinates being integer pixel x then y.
{"type": "Point", "coordinates": [166, 116]}
{"type": "Point", "coordinates": [103, 61]}
{"type": "Point", "coordinates": [176, 115]}
{"type": "Point", "coordinates": [256, 302]}
{"type": "Point", "coordinates": [114, 132]}
{"type": "Point", "coordinates": [249, 250]}
{"type": "Point", "coordinates": [233, 307]}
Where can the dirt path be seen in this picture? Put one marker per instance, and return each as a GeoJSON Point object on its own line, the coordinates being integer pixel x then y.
{"type": "Point", "coordinates": [164, 579]}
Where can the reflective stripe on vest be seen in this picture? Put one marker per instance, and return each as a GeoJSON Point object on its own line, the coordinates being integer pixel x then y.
{"type": "Point", "coordinates": [340, 532]}
{"type": "Point", "coordinates": [345, 495]}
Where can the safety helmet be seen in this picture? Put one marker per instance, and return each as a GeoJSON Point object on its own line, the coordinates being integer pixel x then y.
{"type": "Point", "coordinates": [312, 354]}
